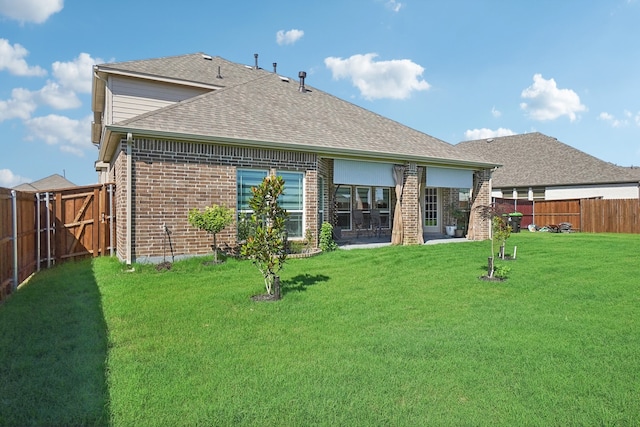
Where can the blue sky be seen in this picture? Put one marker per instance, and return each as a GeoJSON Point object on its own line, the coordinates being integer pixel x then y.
{"type": "Point", "coordinates": [456, 70]}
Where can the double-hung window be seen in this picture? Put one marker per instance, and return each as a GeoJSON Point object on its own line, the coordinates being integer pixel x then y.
{"type": "Point", "coordinates": [292, 200]}
{"type": "Point", "coordinates": [246, 179]}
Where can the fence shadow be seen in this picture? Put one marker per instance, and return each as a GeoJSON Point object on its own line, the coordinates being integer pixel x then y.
{"type": "Point", "coordinates": [53, 349]}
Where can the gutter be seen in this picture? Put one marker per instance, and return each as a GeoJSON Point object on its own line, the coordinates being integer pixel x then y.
{"type": "Point", "coordinates": [112, 129]}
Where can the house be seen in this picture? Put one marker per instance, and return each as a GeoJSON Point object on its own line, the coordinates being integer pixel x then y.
{"type": "Point", "coordinates": [49, 183]}
{"type": "Point", "coordinates": [188, 131]}
{"type": "Point", "coordinates": [539, 167]}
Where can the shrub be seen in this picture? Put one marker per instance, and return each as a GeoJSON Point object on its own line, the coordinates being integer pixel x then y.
{"type": "Point", "coordinates": [326, 238]}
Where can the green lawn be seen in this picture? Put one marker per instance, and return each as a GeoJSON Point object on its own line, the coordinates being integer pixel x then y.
{"type": "Point", "coordinates": [399, 336]}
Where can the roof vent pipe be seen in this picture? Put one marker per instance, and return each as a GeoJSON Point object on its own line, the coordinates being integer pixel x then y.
{"type": "Point", "coordinates": [219, 76]}
{"type": "Point", "coordinates": [255, 55]}
{"type": "Point", "coordinates": [302, 75]}
{"type": "Point", "coordinates": [275, 65]}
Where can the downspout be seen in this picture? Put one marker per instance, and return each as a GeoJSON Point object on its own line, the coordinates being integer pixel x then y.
{"type": "Point", "coordinates": [129, 199]}
{"type": "Point", "coordinates": [111, 222]}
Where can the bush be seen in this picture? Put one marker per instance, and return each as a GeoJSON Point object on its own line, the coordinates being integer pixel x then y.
{"type": "Point", "coordinates": [326, 238]}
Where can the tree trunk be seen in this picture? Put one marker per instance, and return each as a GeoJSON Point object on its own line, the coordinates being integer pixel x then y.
{"type": "Point", "coordinates": [490, 267]}
{"type": "Point", "coordinates": [215, 249]}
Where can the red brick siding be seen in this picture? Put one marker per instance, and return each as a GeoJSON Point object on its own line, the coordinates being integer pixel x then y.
{"type": "Point", "coordinates": [172, 177]}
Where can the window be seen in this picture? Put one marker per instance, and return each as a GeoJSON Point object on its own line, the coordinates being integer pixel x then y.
{"type": "Point", "coordinates": [430, 207]}
{"type": "Point", "coordinates": [343, 207]}
{"type": "Point", "coordinates": [382, 203]}
{"type": "Point", "coordinates": [292, 200]}
{"type": "Point", "coordinates": [245, 180]}
{"type": "Point", "coordinates": [463, 198]}
{"type": "Point", "coordinates": [363, 195]}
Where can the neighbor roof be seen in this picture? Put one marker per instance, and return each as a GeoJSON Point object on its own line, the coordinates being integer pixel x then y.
{"type": "Point", "coordinates": [270, 111]}
{"type": "Point", "coordinates": [535, 159]}
{"type": "Point", "coordinates": [52, 182]}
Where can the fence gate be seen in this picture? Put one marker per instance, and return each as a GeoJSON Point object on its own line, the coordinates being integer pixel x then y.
{"type": "Point", "coordinates": [83, 220]}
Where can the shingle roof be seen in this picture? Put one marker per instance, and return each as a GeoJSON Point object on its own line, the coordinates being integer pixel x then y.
{"type": "Point", "coordinates": [195, 68]}
{"type": "Point", "coordinates": [269, 110]}
{"type": "Point", "coordinates": [535, 159]}
{"type": "Point", "coordinates": [52, 182]}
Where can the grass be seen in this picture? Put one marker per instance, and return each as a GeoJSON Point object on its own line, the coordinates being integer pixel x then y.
{"type": "Point", "coordinates": [389, 336]}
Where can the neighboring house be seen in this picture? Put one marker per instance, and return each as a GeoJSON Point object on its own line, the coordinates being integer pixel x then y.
{"type": "Point", "coordinates": [539, 167]}
{"type": "Point", "coordinates": [189, 131]}
{"type": "Point", "coordinates": [52, 182]}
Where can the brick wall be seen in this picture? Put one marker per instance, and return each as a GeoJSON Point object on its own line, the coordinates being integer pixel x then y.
{"type": "Point", "coordinates": [479, 226]}
{"type": "Point", "coordinates": [410, 201]}
{"type": "Point", "coordinates": [172, 177]}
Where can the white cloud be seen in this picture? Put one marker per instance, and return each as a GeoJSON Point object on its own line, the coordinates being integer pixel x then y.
{"type": "Point", "coordinates": [495, 113]}
{"type": "Point", "coordinates": [395, 79]}
{"type": "Point", "coordinates": [20, 106]}
{"type": "Point", "coordinates": [547, 102]}
{"type": "Point", "coordinates": [288, 37]}
{"type": "Point", "coordinates": [37, 11]}
{"type": "Point", "coordinates": [58, 97]}
{"type": "Point", "coordinates": [8, 179]}
{"type": "Point", "coordinates": [77, 74]}
{"type": "Point", "coordinates": [394, 5]}
{"type": "Point", "coordinates": [12, 60]}
{"type": "Point", "coordinates": [610, 118]}
{"type": "Point", "coordinates": [72, 77]}
{"type": "Point", "coordinates": [484, 133]}
{"type": "Point", "coordinates": [72, 135]}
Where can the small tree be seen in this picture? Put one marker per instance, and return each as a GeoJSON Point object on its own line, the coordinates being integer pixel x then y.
{"type": "Point", "coordinates": [267, 247]}
{"type": "Point", "coordinates": [500, 232]}
{"type": "Point", "coordinates": [212, 220]}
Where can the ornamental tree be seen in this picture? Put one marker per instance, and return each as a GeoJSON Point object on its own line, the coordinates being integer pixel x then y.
{"type": "Point", "coordinates": [212, 220]}
{"type": "Point", "coordinates": [267, 246]}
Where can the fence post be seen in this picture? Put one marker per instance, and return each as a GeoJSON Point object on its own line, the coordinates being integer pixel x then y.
{"type": "Point", "coordinates": [14, 211]}
{"type": "Point", "coordinates": [38, 231]}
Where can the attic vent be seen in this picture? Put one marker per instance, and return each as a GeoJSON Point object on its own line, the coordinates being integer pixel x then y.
{"type": "Point", "coordinates": [284, 79]}
{"type": "Point", "coordinates": [207, 57]}
{"type": "Point", "coordinates": [302, 75]}
{"type": "Point", "coordinates": [490, 140]}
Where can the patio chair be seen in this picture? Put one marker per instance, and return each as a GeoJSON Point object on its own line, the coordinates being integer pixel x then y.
{"type": "Point", "coordinates": [358, 221]}
{"type": "Point", "coordinates": [376, 222]}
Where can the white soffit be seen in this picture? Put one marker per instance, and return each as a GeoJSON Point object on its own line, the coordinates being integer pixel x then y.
{"type": "Point", "coordinates": [353, 172]}
{"type": "Point", "coordinates": [449, 177]}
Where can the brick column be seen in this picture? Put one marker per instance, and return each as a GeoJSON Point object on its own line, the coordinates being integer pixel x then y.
{"type": "Point", "coordinates": [410, 202]}
{"type": "Point", "coordinates": [479, 225]}
{"type": "Point", "coordinates": [311, 206]}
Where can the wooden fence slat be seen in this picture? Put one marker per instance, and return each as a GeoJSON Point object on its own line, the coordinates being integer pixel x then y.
{"type": "Point", "coordinates": [86, 235]}
{"type": "Point", "coordinates": [588, 215]}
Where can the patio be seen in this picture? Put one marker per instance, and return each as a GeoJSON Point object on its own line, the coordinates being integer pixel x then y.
{"type": "Point", "coordinates": [373, 241]}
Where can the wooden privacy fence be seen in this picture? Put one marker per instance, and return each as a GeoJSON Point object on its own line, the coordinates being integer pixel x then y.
{"type": "Point", "coordinates": [41, 229]}
{"type": "Point", "coordinates": [588, 215]}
